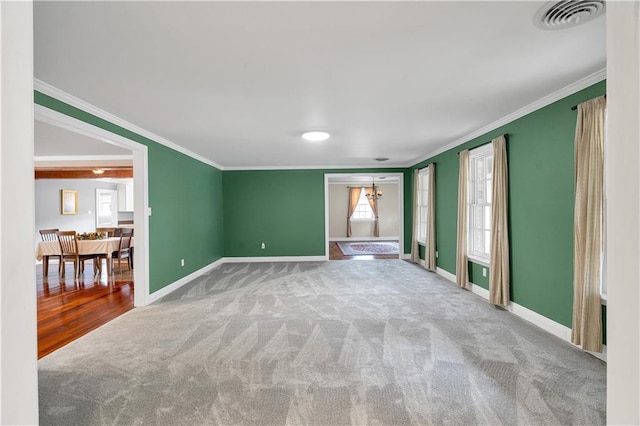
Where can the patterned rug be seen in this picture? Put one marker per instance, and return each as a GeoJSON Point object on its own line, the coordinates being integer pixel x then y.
{"type": "Point", "coordinates": [368, 247]}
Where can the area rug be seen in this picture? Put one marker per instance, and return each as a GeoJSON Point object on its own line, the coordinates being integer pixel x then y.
{"type": "Point", "coordinates": [368, 247]}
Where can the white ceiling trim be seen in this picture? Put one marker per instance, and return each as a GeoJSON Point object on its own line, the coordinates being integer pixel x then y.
{"type": "Point", "coordinates": [67, 98]}
{"type": "Point", "coordinates": [534, 106]}
{"type": "Point", "coordinates": [83, 158]}
{"type": "Point", "coordinates": [240, 168]}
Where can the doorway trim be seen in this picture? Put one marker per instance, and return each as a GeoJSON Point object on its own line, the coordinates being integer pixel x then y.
{"type": "Point", "coordinates": [140, 187]}
{"type": "Point", "coordinates": [398, 175]}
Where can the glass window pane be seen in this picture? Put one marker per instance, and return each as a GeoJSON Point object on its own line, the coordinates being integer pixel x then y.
{"type": "Point", "coordinates": [480, 192]}
{"type": "Point", "coordinates": [487, 242]}
{"type": "Point", "coordinates": [476, 220]}
{"type": "Point", "coordinates": [477, 241]}
{"type": "Point", "coordinates": [487, 217]}
{"type": "Point", "coordinates": [489, 190]}
{"type": "Point", "coordinates": [479, 169]}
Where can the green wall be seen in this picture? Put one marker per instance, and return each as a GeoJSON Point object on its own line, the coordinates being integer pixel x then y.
{"type": "Point", "coordinates": [541, 196]}
{"type": "Point", "coordinates": [283, 208]}
{"type": "Point", "coordinates": [186, 198]}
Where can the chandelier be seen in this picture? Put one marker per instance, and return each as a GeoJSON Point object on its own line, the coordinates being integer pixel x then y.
{"type": "Point", "coordinates": [375, 193]}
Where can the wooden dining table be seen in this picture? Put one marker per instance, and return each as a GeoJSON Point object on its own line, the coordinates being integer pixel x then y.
{"type": "Point", "coordinates": [105, 246]}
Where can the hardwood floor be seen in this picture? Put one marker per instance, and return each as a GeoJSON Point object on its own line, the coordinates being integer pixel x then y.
{"type": "Point", "coordinates": [69, 309]}
{"type": "Point", "coordinates": [336, 254]}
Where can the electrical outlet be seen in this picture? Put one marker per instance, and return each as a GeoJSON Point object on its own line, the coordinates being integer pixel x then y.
{"type": "Point", "coordinates": [181, 262]}
{"type": "Point", "coordinates": [263, 246]}
{"type": "Point", "coordinates": [484, 272]}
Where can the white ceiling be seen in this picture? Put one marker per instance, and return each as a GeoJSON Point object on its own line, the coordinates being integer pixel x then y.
{"type": "Point", "coordinates": [237, 82]}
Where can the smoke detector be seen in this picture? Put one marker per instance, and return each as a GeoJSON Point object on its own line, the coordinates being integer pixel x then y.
{"type": "Point", "coordinates": [567, 13]}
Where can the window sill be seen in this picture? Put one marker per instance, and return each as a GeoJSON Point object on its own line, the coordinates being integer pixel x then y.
{"type": "Point", "coordinates": [362, 220]}
{"type": "Point", "coordinates": [422, 243]}
{"type": "Point", "coordinates": [603, 299]}
{"type": "Point", "coordinates": [479, 260]}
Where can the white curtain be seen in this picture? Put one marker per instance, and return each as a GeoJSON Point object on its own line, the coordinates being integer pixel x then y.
{"type": "Point", "coordinates": [499, 256]}
{"type": "Point", "coordinates": [415, 248]}
{"type": "Point", "coordinates": [354, 196]}
{"type": "Point", "coordinates": [430, 252]}
{"type": "Point", "coordinates": [588, 224]}
{"type": "Point", "coordinates": [462, 272]}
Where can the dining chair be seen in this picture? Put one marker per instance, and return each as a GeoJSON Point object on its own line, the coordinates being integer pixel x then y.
{"type": "Point", "coordinates": [49, 235]}
{"type": "Point", "coordinates": [69, 249]}
{"type": "Point", "coordinates": [107, 232]}
{"type": "Point", "coordinates": [124, 249]}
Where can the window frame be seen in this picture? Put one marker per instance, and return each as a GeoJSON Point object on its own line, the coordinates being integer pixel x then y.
{"type": "Point", "coordinates": [422, 205]}
{"type": "Point", "coordinates": [372, 217]}
{"type": "Point", "coordinates": [603, 230]}
{"type": "Point", "coordinates": [475, 201]}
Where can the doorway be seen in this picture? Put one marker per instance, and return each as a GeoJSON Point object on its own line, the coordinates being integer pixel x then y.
{"type": "Point", "coordinates": [140, 188]}
{"type": "Point", "coordinates": [96, 296]}
{"type": "Point", "coordinates": [362, 243]}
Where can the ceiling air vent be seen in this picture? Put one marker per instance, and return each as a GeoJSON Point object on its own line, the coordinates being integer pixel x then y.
{"type": "Point", "coordinates": [568, 13]}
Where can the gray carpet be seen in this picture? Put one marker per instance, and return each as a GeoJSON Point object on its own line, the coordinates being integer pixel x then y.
{"type": "Point", "coordinates": [342, 342]}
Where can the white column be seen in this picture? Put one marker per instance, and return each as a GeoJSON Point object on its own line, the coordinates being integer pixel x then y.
{"type": "Point", "coordinates": [623, 210]}
{"type": "Point", "coordinates": [18, 336]}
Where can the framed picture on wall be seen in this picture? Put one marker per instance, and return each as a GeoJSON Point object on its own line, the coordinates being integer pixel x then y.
{"type": "Point", "coordinates": [69, 201]}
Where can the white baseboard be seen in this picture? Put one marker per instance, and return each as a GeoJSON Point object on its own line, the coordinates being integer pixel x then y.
{"type": "Point", "coordinates": [541, 321]}
{"type": "Point", "coordinates": [446, 274]}
{"type": "Point", "coordinates": [157, 295]}
{"type": "Point", "coordinates": [480, 291]}
{"type": "Point", "coordinates": [602, 356]}
{"type": "Point", "coordinates": [527, 314]}
{"type": "Point", "coordinates": [275, 259]}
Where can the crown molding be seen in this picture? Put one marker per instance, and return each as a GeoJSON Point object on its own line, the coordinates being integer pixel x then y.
{"type": "Point", "coordinates": [572, 88]}
{"type": "Point", "coordinates": [109, 158]}
{"type": "Point", "coordinates": [67, 98]}
{"type": "Point", "coordinates": [333, 167]}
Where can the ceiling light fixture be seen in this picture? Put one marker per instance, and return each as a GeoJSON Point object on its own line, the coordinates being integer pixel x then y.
{"type": "Point", "coordinates": [382, 159]}
{"type": "Point", "coordinates": [315, 136]}
{"type": "Point", "coordinates": [98, 171]}
{"type": "Point", "coordinates": [375, 193]}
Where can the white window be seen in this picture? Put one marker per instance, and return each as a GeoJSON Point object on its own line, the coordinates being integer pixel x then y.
{"type": "Point", "coordinates": [423, 206]}
{"type": "Point", "coordinates": [603, 229]}
{"type": "Point", "coordinates": [363, 209]}
{"type": "Point", "coordinates": [480, 192]}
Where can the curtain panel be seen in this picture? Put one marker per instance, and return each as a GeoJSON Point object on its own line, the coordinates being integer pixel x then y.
{"type": "Point", "coordinates": [430, 252]}
{"type": "Point", "coordinates": [499, 255]}
{"type": "Point", "coordinates": [462, 271]}
{"type": "Point", "coordinates": [354, 196]}
{"type": "Point", "coordinates": [415, 249]}
{"type": "Point", "coordinates": [588, 224]}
